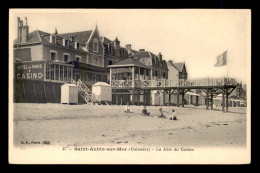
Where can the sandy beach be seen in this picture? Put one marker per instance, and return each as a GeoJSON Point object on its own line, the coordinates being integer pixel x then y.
{"type": "Point", "coordinates": [104, 125]}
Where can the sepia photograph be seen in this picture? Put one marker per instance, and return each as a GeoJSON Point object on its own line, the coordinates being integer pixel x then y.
{"type": "Point", "coordinates": [129, 86]}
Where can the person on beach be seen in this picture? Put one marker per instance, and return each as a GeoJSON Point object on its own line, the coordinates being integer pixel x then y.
{"type": "Point", "coordinates": [127, 110]}
{"type": "Point", "coordinates": [144, 111]}
{"type": "Point", "coordinates": [161, 113]}
{"type": "Point", "coordinates": [174, 117]}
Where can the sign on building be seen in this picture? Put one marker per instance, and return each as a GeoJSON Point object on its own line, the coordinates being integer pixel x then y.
{"type": "Point", "coordinates": [29, 70]}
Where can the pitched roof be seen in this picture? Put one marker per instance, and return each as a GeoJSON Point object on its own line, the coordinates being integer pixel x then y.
{"type": "Point", "coordinates": [33, 37]}
{"type": "Point", "coordinates": [106, 40]}
{"type": "Point", "coordinates": [179, 66]}
{"type": "Point", "coordinates": [81, 37]}
{"type": "Point", "coordinates": [129, 62]}
{"type": "Point", "coordinates": [142, 54]}
{"type": "Point", "coordinates": [101, 84]}
{"type": "Point", "coordinates": [81, 65]}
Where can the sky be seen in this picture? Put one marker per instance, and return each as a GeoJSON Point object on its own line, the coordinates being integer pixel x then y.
{"type": "Point", "coordinates": [195, 37]}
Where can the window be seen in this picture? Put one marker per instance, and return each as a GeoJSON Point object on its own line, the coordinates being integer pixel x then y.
{"type": "Point", "coordinates": [164, 75]}
{"type": "Point", "coordinates": [66, 57]}
{"type": "Point", "coordinates": [96, 61]}
{"type": "Point", "coordinates": [56, 75]}
{"type": "Point", "coordinates": [95, 45]}
{"type": "Point", "coordinates": [86, 76]}
{"type": "Point", "coordinates": [65, 74]}
{"type": "Point", "coordinates": [78, 58]}
{"type": "Point", "coordinates": [52, 39]}
{"type": "Point", "coordinates": [110, 62]}
{"type": "Point", "coordinates": [87, 59]}
{"type": "Point", "coordinates": [76, 45]}
{"type": "Point", "coordinates": [66, 42]}
{"type": "Point", "coordinates": [52, 71]}
{"type": "Point", "coordinates": [53, 55]}
{"type": "Point", "coordinates": [61, 73]}
{"type": "Point", "coordinates": [68, 73]}
{"type": "Point", "coordinates": [47, 71]}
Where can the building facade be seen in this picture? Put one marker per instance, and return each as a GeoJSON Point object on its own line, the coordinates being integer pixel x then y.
{"type": "Point", "coordinates": [44, 61]}
{"type": "Point", "coordinates": [156, 63]}
{"type": "Point", "coordinates": [177, 71]}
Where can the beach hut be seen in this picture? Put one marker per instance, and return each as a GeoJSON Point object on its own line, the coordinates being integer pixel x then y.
{"type": "Point", "coordinates": [69, 94]}
{"type": "Point", "coordinates": [101, 93]}
{"type": "Point", "coordinates": [156, 98]}
{"type": "Point", "coordinates": [192, 98]}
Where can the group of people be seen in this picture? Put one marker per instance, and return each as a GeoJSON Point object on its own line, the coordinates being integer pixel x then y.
{"type": "Point", "coordinates": [146, 113]}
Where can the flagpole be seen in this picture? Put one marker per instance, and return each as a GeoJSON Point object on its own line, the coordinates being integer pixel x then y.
{"type": "Point", "coordinates": [227, 65]}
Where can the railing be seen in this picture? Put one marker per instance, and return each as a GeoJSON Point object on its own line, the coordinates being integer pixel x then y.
{"type": "Point", "coordinates": [174, 83]}
{"type": "Point", "coordinates": [122, 83]}
{"type": "Point", "coordinates": [84, 91]}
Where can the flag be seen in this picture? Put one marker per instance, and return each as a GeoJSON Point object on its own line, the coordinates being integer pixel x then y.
{"type": "Point", "coordinates": [221, 59]}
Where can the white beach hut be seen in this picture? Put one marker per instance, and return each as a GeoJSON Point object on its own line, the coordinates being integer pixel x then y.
{"type": "Point", "coordinates": [101, 93]}
{"type": "Point", "coordinates": [69, 94]}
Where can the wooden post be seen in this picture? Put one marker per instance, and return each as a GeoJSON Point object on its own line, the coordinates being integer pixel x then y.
{"type": "Point", "coordinates": [170, 100]}
{"type": "Point", "coordinates": [211, 99]}
{"type": "Point", "coordinates": [133, 90]}
{"type": "Point", "coordinates": [151, 74]}
{"type": "Point", "coordinates": [139, 71]}
{"type": "Point", "coordinates": [116, 99]}
{"type": "Point", "coordinates": [182, 94]}
{"type": "Point", "coordinates": [138, 95]}
{"type": "Point", "coordinates": [163, 97]}
{"type": "Point", "coordinates": [144, 98]}
{"type": "Point", "coordinates": [223, 99]}
{"type": "Point", "coordinates": [133, 84]}
{"type": "Point", "coordinates": [45, 93]}
{"type": "Point", "coordinates": [54, 93]}
{"type": "Point", "coordinates": [133, 77]}
{"type": "Point", "coordinates": [145, 74]}
{"type": "Point", "coordinates": [207, 100]}
{"type": "Point", "coordinates": [25, 98]}
{"type": "Point", "coordinates": [178, 93]}
{"type": "Point", "coordinates": [34, 90]}
{"type": "Point", "coordinates": [110, 77]}
{"type": "Point", "coordinates": [227, 101]}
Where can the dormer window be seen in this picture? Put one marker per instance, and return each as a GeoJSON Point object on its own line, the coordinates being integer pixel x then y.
{"type": "Point", "coordinates": [76, 45]}
{"type": "Point", "coordinates": [52, 39]}
{"type": "Point", "coordinates": [95, 45]}
{"type": "Point", "coordinates": [65, 42]}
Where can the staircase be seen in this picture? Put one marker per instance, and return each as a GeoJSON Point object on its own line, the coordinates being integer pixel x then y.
{"type": "Point", "coordinates": [84, 91]}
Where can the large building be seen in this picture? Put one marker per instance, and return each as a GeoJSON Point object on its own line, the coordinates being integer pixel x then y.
{"type": "Point", "coordinates": [44, 61]}
{"type": "Point", "coordinates": [156, 63]}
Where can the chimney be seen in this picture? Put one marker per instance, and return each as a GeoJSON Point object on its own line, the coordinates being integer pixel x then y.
{"type": "Point", "coordinates": [23, 31]}
{"type": "Point", "coordinates": [141, 50]}
{"type": "Point", "coordinates": [116, 43]}
{"type": "Point", "coordinates": [128, 46]}
{"type": "Point", "coordinates": [170, 61]}
{"type": "Point", "coordinates": [18, 32]}
{"type": "Point", "coordinates": [160, 56]}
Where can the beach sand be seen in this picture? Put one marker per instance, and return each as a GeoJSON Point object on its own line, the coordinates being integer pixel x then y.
{"type": "Point", "coordinates": [105, 125]}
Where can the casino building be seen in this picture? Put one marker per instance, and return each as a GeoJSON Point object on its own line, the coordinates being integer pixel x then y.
{"type": "Point", "coordinates": [44, 61]}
